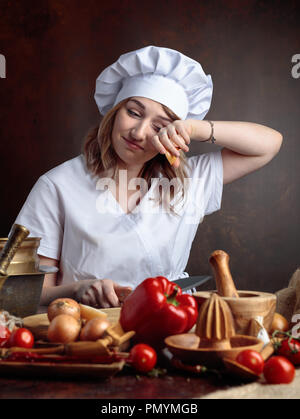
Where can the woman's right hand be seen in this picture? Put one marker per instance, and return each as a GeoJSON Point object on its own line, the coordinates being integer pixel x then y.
{"type": "Point", "coordinates": [100, 293]}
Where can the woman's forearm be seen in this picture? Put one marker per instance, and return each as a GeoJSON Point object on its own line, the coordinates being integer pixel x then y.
{"type": "Point", "coordinates": [245, 138]}
{"type": "Point", "coordinates": [50, 293]}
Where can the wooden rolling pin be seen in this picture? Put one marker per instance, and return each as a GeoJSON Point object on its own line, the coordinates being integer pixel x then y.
{"type": "Point", "coordinates": [219, 261]}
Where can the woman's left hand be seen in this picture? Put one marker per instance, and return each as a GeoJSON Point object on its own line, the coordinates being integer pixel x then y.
{"type": "Point", "coordinates": [103, 293]}
{"type": "Point", "coordinates": [174, 136]}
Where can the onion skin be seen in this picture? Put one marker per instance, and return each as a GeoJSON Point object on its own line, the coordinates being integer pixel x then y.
{"type": "Point", "coordinates": [94, 329]}
{"type": "Point", "coordinates": [64, 329]}
{"type": "Point", "coordinates": [64, 306]}
{"type": "Point", "coordinates": [279, 323]}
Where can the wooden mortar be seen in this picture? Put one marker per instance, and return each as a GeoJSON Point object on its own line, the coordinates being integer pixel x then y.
{"type": "Point", "coordinates": [245, 305]}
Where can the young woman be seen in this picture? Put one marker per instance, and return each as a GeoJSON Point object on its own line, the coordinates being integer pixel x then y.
{"type": "Point", "coordinates": [129, 206]}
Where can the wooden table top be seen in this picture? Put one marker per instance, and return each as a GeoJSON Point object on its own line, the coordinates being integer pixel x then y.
{"type": "Point", "coordinates": [125, 384]}
{"type": "Point", "coordinates": [122, 386]}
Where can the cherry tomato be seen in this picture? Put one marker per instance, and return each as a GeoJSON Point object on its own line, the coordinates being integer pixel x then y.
{"type": "Point", "coordinates": [21, 337]}
{"type": "Point", "coordinates": [143, 357]}
{"type": "Point", "coordinates": [4, 335]}
{"type": "Point", "coordinates": [279, 370]}
{"type": "Point", "coordinates": [251, 359]}
{"type": "Point", "coordinates": [290, 348]}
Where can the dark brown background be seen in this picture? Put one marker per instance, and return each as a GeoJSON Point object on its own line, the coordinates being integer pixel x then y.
{"type": "Point", "coordinates": [56, 49]}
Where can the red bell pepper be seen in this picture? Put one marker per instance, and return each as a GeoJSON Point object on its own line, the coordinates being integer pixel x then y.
{"type": "Point", "coordinates": [157, 309]}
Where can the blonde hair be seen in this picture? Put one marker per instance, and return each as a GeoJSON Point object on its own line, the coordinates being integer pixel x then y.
{"type": "Point", "coordinates": [101, 158]}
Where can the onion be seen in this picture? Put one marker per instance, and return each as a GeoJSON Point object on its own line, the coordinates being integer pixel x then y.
{"type": "Point", "coordinates": [63, 306]}
{"type": "Point", "coordinates": [94, 329]}
{"type": "Point", "coordinates": [63, 329]}
{"type": "Point", "coordinates": [279, 323]}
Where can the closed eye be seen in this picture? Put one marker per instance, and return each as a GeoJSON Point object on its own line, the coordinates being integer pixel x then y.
{"type": "Point", "coordinates": [132, 113]}
{"type": "Point", "coordinates": [136, 115]}
{"type": "Point", "coordinates": [157, 129]}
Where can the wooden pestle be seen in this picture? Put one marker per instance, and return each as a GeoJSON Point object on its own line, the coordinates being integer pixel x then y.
{"type": "Point", "coordinates": [219, 261]}
{"type": "Point", "coordinates": [114, 336]}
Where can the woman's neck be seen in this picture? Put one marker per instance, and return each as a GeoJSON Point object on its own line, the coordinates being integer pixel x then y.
{"type": "Point", "coordinates": [131, 172]}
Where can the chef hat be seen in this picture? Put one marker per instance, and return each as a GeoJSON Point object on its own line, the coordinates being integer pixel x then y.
{"type": "Point", "coordinates": [160, 74]}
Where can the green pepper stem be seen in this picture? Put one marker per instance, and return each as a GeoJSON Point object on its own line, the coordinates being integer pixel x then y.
{"type": "Point", "coordinates": [171, 299]}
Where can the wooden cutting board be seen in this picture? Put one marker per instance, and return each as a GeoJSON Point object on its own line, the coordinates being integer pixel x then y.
{"type": "Point", "coordinates": [38, 323]}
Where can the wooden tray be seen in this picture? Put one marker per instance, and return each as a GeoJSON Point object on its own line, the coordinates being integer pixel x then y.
{"type": "Point", "coordinates": [38, 324]}
{"type": "Point", "coordinates": [52, 369]}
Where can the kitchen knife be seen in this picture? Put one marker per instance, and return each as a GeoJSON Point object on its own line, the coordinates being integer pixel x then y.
{"type": "Point", "coordinates": [195, 281]}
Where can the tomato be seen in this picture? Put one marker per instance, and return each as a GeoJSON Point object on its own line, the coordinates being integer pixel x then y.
{"type": "Point", "coordinates": [21, 337]}
{"type": "Point", "coordinates": [251, 359]}
{"type": "Point", "coordinates": [143, 357]}
{"type": "Point", "coordinates": [279, 370]}
{"type": "Point", "coordinates": [4, 335]}
{"type": "Point", "coordinates": [290, 348]}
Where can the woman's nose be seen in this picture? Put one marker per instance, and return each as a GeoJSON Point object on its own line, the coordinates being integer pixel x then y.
{"type": "Point", "coordinates": [139, 131]}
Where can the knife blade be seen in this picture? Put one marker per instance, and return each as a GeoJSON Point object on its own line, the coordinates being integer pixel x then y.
{"type": "Point", "coordinates": [194, 281]}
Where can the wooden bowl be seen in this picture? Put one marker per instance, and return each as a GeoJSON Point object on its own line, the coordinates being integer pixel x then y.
{"type": "Point", "coordinates": [187, 348]}
{"type": "Point", "coordinates": [248, 306]}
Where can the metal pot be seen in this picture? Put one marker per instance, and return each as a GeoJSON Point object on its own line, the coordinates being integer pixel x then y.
{"type": "Point", "coordinates": [21, 277]}
{"type": "Point", "coordinates": [20, 294]}
{"type": "Point", "coordinates": [26, 259]}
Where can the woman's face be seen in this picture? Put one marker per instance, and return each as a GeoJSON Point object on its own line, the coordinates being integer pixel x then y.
{"type": "Point", "coordinates": [136, 123]}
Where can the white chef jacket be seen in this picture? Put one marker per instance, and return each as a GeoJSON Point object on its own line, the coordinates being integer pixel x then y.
{"type": "Point", "coordinates": [82, 225]}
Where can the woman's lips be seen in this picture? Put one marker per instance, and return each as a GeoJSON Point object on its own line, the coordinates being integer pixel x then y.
{"type": "Point", "coordinates": [132, 145]}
